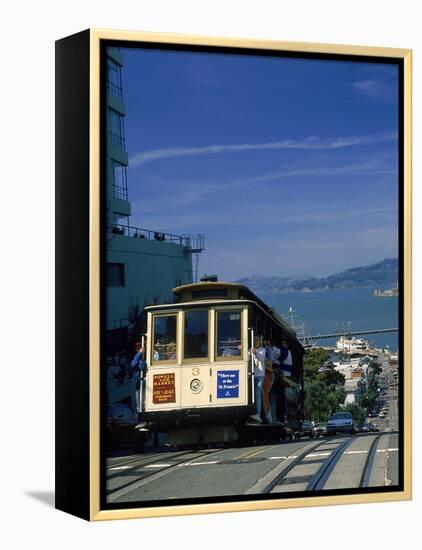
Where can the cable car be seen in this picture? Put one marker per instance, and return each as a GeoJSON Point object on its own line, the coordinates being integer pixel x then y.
{"type": "Point", "coordinates": [199, 383]}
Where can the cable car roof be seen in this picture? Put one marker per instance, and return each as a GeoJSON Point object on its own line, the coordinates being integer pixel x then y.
{"type": "Point", "coordinates": [213, 292]}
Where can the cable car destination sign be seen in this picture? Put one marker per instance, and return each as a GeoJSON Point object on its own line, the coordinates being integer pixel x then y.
{"type": "Point", "coordinates": [163, 388]}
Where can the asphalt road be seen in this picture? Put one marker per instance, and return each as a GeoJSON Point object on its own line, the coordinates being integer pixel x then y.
{"type": "Point", "coordinates": [368, 460]}
{"type": "Point", "coordinates": [389, 399]}
{"type": "Point", "coordinates": [341, 462]}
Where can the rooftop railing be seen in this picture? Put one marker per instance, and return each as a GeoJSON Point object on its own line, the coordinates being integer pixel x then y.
{"type": "Point", "coordinates": [119, 192]}
{"type": "Point", "coordinates": [195, 243]}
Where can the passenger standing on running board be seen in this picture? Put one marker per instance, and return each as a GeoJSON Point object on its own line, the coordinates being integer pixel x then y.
{"type": "Point", "coordinates": [286, 362]}
{"type": "Point", "coordinates": [268, 381]}
{"type": "Point", "coordinates": [258, 354]}
{"type": "Point", "coordinates": [277, 386]}
{"type": "Point", "coordinates": [137, 368]}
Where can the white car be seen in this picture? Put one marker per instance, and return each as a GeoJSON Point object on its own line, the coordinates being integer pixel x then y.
{"type": "Point", "coordinates": [341, 422]}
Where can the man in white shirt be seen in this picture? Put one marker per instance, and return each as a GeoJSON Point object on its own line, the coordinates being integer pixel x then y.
{"type": "Point", "coordinates": [258, 356]}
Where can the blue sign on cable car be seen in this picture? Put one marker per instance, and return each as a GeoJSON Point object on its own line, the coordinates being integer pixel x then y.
{"type": "Point", "coordinates": [227, 383]}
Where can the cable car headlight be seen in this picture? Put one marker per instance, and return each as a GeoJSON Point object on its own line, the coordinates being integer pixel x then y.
{"type": "Point", "coordinates": [196, 385]}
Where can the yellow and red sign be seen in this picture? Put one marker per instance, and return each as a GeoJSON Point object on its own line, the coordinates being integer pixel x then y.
{"type": "Point", "coordinates": [163, 388]}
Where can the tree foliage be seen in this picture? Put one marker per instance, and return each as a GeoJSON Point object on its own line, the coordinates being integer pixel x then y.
{"type": "Point", "coordinates": [323, 386]}
{"type": "Point", "coordinates": [358, 413]}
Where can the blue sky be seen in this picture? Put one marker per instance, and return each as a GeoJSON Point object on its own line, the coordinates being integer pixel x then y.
{"type": "Point", "coordinates": [288, 166]}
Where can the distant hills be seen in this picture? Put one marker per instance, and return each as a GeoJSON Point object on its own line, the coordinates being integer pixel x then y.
{"type": "Point", "coordinates": [381, 275]}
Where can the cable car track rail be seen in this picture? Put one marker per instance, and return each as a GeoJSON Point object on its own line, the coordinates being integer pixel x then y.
{"type": "Point", "coordinates": [369, 462]}
{"type": "Point", "coordinates": [141, 462]}
{"type": "Point", "coordinates": [319, 479]}
{"type": "Point", "coordinates": [114, 494]}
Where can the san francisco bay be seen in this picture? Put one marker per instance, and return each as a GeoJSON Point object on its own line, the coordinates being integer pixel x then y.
{"type": "Point", "coordinates": [330, 311]}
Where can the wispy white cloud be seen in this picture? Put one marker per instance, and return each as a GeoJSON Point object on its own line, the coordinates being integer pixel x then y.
{"type": "Point", "coordinates": [169, 190]}
{"type": "Point", "coordinates": [309, 143]}
{"type": "Point", "coordinates": [374, 88]}
{"type": "Point", "coordinates": [266, 214]}
{"type": "Point", "coordinates": [367, 87]}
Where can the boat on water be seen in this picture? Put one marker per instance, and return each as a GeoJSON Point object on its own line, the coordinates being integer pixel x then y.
{"type": "Point", "coordinates": [352, 344]}
{"type": "Point", "coordinates": [386, 293]}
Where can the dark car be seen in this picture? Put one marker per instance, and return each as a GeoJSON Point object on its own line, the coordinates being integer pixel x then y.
{"type": "Point", "coordinates": [369, 427]}
{"type": "Point", "coordinates": [306, 429]}
{"type": "Point", "coordinates": [366, 428]}
{"type": "Point", "coordinates": [121, 426]}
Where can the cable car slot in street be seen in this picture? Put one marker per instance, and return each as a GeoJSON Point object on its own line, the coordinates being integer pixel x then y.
{"type": "Point", "coordinates": [369, 462]}
{"type": "Point", "coordinates": [321, 477]}
{"type": "Point", "coordinates": [242, 461]}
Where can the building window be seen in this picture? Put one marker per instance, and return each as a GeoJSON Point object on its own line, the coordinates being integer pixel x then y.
{"type": "Point", "coordinates": [116, 132]}
{"type": "Point", "coordinates": [116, 275]}
{"type": "Point", "coordinates": [114, 79]}
{"type": "Point", "coordinates": [119, 185]}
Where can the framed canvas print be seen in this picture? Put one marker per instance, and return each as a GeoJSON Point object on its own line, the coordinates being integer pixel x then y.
{"type": "Point", "coordinates": [233, 274]}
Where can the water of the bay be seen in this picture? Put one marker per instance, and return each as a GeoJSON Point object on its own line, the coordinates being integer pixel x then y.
{"type": "Point", "coordinates": [329, 311]}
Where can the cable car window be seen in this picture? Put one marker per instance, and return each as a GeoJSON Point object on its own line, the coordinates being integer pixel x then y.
{"type": "Point", "coordinates": [196, 334]}
{"type": "Point", "coordinates": [229, 342]}
{"type": "Point", "coordinates": [165, 347]}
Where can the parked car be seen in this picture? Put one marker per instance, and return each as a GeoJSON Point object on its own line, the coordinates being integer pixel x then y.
{"type": "Point", "coordinates": [341, 422]}
{"type": "Point", "coordinates": [366, 428]}
{"type": "Point", "coordinates": [121, 426]}
{"type": "Point", "coordinates": [306, 429]}
{"type": "Point", "coordinates": [320, 429]}
{"type": "Point", "coordinates": [369, 427]}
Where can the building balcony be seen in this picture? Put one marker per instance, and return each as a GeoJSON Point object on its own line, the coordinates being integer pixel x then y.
{"type": "Point", "coordinates": [193, 243]}
{"type": "Point", "coordinates": [115, 102]}
{"type": "Point", "coordinates": [122, 207]}
{"type": "Point", "coordinates": [116, 152]}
